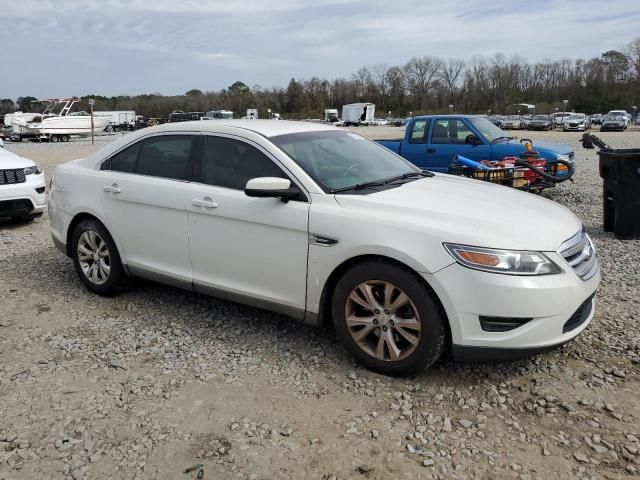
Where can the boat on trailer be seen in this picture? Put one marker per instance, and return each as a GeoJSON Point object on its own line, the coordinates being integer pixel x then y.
{"type": "Point", "coordinates": [53, 126]}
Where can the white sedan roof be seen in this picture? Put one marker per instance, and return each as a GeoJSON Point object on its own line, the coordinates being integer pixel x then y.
{"type": "Point", "coordinates": [266, 128]}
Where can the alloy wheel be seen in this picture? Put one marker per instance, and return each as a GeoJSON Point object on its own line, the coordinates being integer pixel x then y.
{"type": "Point", "coordinates": [93, 256]}
{"type": "Point", "coordinates": [383, 320]}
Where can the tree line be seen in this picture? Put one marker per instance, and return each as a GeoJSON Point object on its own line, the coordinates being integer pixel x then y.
{"type": "Point", "coordinates": [427, 84]}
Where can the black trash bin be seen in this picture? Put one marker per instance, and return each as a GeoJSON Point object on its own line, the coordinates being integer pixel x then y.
{"type": "Point", "coordinates": [620, 170]}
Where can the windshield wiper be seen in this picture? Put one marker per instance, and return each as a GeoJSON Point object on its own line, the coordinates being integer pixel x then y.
{"type": "Point", "coordinates": [358, 186]}
{"type": "Point", "coordinates": [381, 183]}
{"type": "Point", "coordinates": [424, 173]}
{"type": "Point", "coordinates": [501, 138]}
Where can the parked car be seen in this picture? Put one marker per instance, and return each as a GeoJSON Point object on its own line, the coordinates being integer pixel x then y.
{"type": "Point", "coordinates": [512, 122]}
{"type": "Point", "coordinates": [496, 120]}
{"type": "Point", "coordinates": [596, 119]}
{"type": "Point", "coordinates": [321, 224]}
{"type": "Point", "coordinates": [623, 114]}
{"type": "Point", "coordinates": [615, 122]}
{"type": "Point", "coordinates": [578, 122]}
{"type": "Point", "coordinates": [22, 187]}
{"type": "Point", "coordinates": [431, 142]}
{"type": "Point", "coordinates": [526, 121]}
{"type": "Point", "coordinates": [559, 118]}
{"type": "Point", "coordinates": [541, 122]}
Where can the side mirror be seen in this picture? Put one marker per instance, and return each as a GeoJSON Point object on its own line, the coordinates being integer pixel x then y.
{"type": "Point", "coordinates": [271, 187]}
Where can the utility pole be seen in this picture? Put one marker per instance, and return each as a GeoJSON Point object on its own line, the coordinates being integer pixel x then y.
{"type": "Point", "coordinates": [91, 104]}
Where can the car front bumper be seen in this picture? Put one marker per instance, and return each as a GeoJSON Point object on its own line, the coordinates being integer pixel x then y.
{"type": "Point", "coordinates": [554, 309]}
{"type": "Point", "coordinates": [580, 128]}
{"type": "Point", "coordinates": [24, 198]}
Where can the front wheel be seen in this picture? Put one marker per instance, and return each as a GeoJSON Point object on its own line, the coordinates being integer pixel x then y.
{"type": "Point", "coordinates": [96, 258]}
{"type": "Point", "coordinates": [388, 319]}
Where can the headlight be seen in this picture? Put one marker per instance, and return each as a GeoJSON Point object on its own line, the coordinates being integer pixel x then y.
{"type": "Point", "coordinates": [32, 170]}
{"type": "Point", "coordinates": [564, 157]}
{"type": "Point", "coordinates": [510, 262]}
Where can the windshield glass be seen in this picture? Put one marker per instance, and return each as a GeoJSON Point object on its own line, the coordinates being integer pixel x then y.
{"type": "Point", "coordinates": [338, 159]}
{"type": "Point", "coordinates": [540, 117]}
{"type": "Point", "coordinates": [614, 117]}
{"type": "Point", "coordinates": [488, 130]}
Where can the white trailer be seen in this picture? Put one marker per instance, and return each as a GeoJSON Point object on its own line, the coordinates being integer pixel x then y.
{"type": "Point", "coordinates": [358, 114]}
{"type": "Point", "coordinates": [330, 115]}
{"type": "Point", "coordinates": [118, 119]}
{"type": "Point", "coordinates": [252, 114]}
{"type": "Point", "coordinates": [220, 114]}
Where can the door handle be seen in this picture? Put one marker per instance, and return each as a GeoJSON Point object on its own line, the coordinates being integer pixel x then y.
{"type": "Point", "coordinates": [113, 188]}
{"type": "Point", "coordinates": [431, 150]}
{"type": "Point", "coordinates": [205, 202]}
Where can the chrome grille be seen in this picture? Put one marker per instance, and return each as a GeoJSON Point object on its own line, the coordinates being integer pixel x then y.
{"type": "Point", "coordinates": [580, 254]}
{"type": "Point", "coordinates": [12, 176]}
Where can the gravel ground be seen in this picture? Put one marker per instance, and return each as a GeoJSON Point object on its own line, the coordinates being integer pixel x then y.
{"type": "Point", "coordinates": [155, 380]}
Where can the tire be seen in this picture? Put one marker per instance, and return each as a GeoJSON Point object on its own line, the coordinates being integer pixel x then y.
{"type": "Point", "coordinates": [422, 318]}
{"type": "Point", "coordinates": [106, 282]}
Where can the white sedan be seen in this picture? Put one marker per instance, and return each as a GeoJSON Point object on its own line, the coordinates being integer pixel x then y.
{"type": "Point", "coordinates": [323, 225]}
{"type": "Point", "coordinates": [22, 187]}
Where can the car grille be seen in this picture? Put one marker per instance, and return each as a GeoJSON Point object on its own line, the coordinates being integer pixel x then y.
{"type": "Point", "coordinates": [580, 316]}
{"type": "Point", "coordinates": [21, 205]}
{"type": "Point", "coordinates": [579, 253]}
{"type": "Point", "coordinates": [12, 176]}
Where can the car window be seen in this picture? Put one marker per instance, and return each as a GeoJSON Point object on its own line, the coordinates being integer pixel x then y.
{"type": "Point", "coordinates": [450, 131]}
{"type": "Point", "coordinates": [232, 163]}
{"type": "Point", "coordinates": [166, 156]}
{"type": "Point", "coordinates": [418, 131]}
{"type": "Point", "coordinates": [124, 161]}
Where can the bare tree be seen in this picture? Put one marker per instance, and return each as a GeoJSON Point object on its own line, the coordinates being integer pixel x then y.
{"type": "Point", "coordinates": [421, 74]}
{"type": "Point", "coordinates": [450, 76]}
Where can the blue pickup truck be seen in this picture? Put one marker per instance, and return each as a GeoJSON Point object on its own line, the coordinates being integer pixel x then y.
{"type": "Point", "coordinates": [432, 141]}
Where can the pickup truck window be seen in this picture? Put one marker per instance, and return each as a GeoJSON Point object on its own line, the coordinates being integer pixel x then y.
{"type": "Point", "coordinates": [450, 131]}
{"type": "Point", "coordinates": [419, 131]}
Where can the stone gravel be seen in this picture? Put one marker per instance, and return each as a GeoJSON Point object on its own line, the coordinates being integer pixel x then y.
{"type": "Point", "coordinates": [155, 380]}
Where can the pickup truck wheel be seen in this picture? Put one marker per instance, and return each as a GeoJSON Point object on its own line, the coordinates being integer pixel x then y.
{"type": "Point", "coordinates": [96, 258]}
{"type": "Point", "coordinates": [388, 319]}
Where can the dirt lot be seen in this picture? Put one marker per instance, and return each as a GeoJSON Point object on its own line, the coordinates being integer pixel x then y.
{"type": "Point", "coordinates": [157, 379]}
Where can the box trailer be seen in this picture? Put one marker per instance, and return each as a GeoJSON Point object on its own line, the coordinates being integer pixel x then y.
{"type": "Point", "coordinates": [252, 114]}
{"type": "Point", "coordinates": [358, 114]}
{"type": "Point", "coordinates": [330, 115]}
{"type": "Point", "coordinates": [118, 119]}
{"type": "Point", "coordinates": [220, 114]}
{"type": "Point", "coordinates": [180, 116]}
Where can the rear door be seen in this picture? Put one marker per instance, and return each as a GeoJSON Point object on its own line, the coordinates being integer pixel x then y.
{"type": "Point", "coordinates": [144, 192]}
{"type": "Point", "coordinates": [450, 137]}
{"type": "Point", "coordinates": [414, 147]}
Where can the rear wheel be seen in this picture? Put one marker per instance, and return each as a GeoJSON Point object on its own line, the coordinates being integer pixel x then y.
{"type": "Point", "coordinates": [96, 258]}
{"type": "Point", "coordinates": [388, 319]}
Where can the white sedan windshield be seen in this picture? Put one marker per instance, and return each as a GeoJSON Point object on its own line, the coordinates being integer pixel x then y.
{"type": "Point", "coordinates": [338, 159]}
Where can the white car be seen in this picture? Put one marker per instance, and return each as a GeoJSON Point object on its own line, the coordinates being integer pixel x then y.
{"type": "Point", "coordinates": [22, 187]}
{"type": "Point", "coordinates": [323, 225]}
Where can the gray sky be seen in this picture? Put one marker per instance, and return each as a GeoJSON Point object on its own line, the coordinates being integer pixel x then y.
{"type": "Point", "coordinates": [110, 47]}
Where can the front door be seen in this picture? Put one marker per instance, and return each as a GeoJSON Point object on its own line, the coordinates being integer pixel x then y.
{"type": "Point", "coordinates": [246, 248]}
{"type": "Point", "coordinates": [451, 137]}
{"type": "Point", "coordinates": [144, 192]}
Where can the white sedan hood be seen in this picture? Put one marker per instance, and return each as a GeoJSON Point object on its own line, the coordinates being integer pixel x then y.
{"type": "Point", "coordinates": [471, 212]}
{"type": "Point", "coordinates": [9, 160]}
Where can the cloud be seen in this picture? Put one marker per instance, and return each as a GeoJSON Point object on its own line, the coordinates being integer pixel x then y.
{"type": "Point", "coordinates": [74, 47]}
